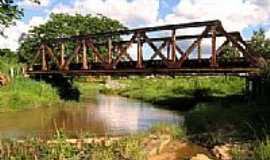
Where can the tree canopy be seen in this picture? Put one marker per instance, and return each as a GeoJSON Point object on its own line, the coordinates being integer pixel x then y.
{"type": "Point", "coordinates": [260, 43]}
{"type": "Point", "coordinates": [63, 25]}
{"type": "Point", "coordinates": [9, 13]}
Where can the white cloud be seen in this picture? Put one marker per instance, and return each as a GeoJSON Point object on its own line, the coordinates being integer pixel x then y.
{"type": "Point", "coordinates": [13, 33]}
{"type": "Point", "coordinates": [235, 14]}
{"type": "Point", "coordinates": [131, 13]}
{"type": "Point", "coordinates": [268, 34]}
{"type": "Point", "coordinates": [29, 3]}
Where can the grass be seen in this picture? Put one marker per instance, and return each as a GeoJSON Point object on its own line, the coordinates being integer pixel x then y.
{"type": "Point", "coordinates": [262, 150]}
{"type": "Point", "coordinates": [128, 147]}
{"type": "Point", "coordinates": [175, 91]}
{"type": "Point", "coordinates": [88, 89]}
{"type": "Point", "coordinates": [24, 93]}
{"type": "Point", "coordinates": [176, 131]}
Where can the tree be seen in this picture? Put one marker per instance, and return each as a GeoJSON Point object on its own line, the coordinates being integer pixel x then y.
{"type": "Point", "coordinates": [9, 13]}
{"type": "Point", "coordinates": [260, 44]}
{"type": "Point", "coordinates": [64, 25]}
{"type": "Point", "coordinates": [8, 59]}
{"type": "Point", "coordinates": [229, 53]}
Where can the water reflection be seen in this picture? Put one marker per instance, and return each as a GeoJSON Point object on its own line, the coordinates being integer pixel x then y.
{"type": "Point", "coordinates": [107, 115]}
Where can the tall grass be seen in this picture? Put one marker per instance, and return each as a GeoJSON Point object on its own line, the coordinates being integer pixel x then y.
{"type": "Point", "coordinates": [130, 147]}
{"type": "Point", "coordinates": [262, 150]}
{"type": "Point", "coordinates": [26, 93]}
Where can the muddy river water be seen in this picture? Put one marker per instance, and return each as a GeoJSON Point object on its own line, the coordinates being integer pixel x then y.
{"type": "Point", "coordinates": [103, 115]}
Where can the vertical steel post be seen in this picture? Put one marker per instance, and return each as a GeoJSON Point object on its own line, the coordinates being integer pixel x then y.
{"type": "Point", "coordinates": [173, 45]}
{"type": "Point", "coordinates": [84, 57]}
{"type": "Point", "coordinates": [139, 52]}
{"type": "Point", "coordinates": [77, 54]}
{"type": "Point", "coordinates": [214, 45]}
{"type": "Point", "coordinates": [168, 49]}
{"type": "Point", "coordinates": [62, 63]}
{"type": "Point", "coordinates": [110, 51]}
{"type": "Point", "coordinates": [199, 52]}
{"type": "Point", "coordinates": [44, 60]}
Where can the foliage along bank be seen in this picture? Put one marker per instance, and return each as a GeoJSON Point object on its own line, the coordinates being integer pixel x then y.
{"type": "Point", "coordinates": [178, 91]}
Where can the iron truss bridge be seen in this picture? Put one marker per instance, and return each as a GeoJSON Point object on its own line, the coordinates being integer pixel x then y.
{"type": "Point", "coordinates": [146, 51]}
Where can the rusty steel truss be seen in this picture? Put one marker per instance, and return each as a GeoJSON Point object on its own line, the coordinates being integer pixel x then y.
{"type": "Point", "coordinates": [108, 54]}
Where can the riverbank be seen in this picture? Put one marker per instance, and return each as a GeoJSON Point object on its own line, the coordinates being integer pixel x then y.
{"type": "Point", "coordinates": [24, 93]}
{"type": "Point", "coordinates": [150, 145]}
{"type": "Point", "coordinates": [219, 116]}
{"type": "Point", "coordinates": [178, 93]}
{"type": "Point", "coordinates": [161, 142]}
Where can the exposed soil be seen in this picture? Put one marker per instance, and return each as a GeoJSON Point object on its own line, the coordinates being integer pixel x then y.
{"type": "Point", "coordinates": [179, 150]}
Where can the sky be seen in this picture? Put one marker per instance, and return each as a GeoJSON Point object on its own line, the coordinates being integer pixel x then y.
{"type": "Point", "coordinates": [245, 16]}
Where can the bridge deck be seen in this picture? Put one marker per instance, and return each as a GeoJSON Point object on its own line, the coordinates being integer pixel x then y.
{"type": "Point", "coordinates": [173, 72]}
{"type": "Point", "coordinates": [157, 67]}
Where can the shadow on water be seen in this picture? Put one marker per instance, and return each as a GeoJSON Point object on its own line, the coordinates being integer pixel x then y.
{"type": "Point", "coordinates": [66, 89]}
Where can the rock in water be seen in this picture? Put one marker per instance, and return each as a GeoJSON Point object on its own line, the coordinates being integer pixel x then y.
{"type": "Point", "coordinates": [222, 152]}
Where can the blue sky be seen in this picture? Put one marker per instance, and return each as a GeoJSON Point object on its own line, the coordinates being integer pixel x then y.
{"type": "Point", "coordinates": [237, 15]}
{"type": "Point", "coordinates": [165, 8]}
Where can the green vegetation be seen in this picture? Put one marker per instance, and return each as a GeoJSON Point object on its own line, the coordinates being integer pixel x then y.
{"type": "Point", "coordinates": [262, 150]}
{"type": "Point", "coordinates": [9, 59]}
{"type": "Point", "coordinates": [260, 44]}
{"type": "Point", "coordinates": [177, 91]}
{"type": "Point", "coordinates": [126, 148]}
{"type": "Point", "coordinates": [9, 12]}
{"type": "Point", "coordinates": [176, 131]}
{"type": "Point", "coordinates": [129, 147]}
{"type": "Point", "coordinates": [214, 124]}
{"type": "Point", "coordinates": [24, 93]}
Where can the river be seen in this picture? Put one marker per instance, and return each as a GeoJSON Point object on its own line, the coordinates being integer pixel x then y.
{"type": "Point", "coordinates": [102, 115]}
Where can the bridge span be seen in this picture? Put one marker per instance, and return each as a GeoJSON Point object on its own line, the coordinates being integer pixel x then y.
{"type": "Point", "coordinates": [109, 53]}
